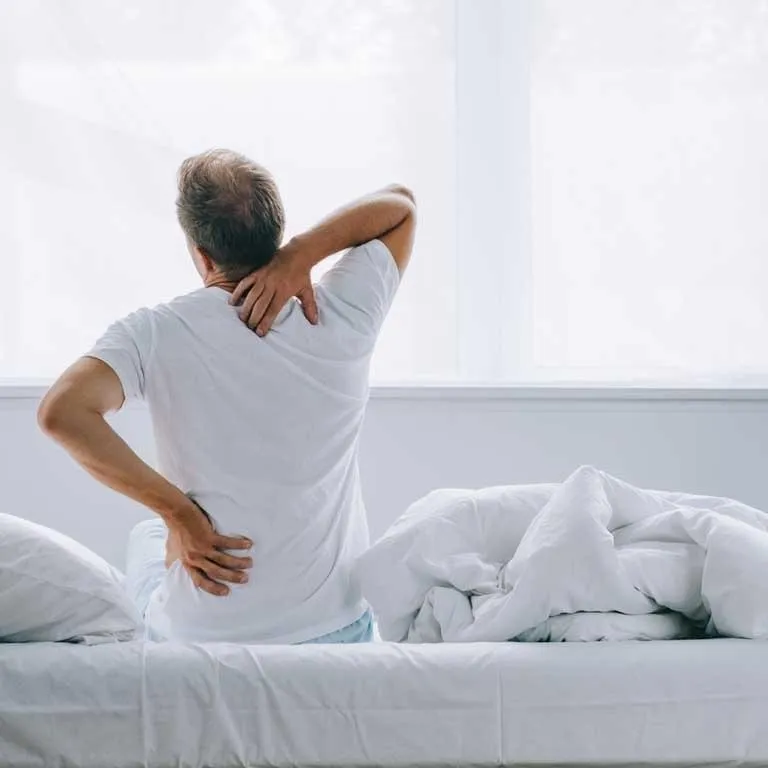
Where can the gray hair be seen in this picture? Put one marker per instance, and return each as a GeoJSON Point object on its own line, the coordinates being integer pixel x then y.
{"type": "Point", "coordinates": [230, 208]}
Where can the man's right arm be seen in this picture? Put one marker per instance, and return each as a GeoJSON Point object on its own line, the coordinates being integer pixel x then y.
{"type": "Point", "coordinates": [388, 215]}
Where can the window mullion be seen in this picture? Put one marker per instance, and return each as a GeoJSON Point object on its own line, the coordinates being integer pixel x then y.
{"type": "Point", "coordinates": [492, 187]}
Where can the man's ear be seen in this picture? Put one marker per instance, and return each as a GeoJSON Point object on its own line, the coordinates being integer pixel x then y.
{"type": "Point", "coordinates": [206, 259]}
{"type": "Point", "coordinates": [208, 262]}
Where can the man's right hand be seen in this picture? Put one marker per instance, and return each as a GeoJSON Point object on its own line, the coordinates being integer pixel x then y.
{"type": "Point", "coordinates": [193, 540]}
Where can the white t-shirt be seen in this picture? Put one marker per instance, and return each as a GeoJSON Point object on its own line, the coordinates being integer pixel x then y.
{"type": "Point", "coordinates": [263, 434]}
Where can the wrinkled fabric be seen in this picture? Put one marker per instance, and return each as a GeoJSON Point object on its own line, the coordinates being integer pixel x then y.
{"type": "Point", "coordinates": [52, 588]}
{"type": "Point", "coordinates": [506, 563]}
{"type": "Point", "coordinates": [221, 705]}
{"type": "Point", "coordinates": [145, 569]}
{"type": "Point", "coordinates": [231, 412]}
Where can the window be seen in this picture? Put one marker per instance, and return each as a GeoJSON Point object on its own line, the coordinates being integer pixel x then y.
{"type": "Point", "coordinates": [591, 174]}
{"type": "Point", "coordinates": [649, 190]}
{"type": "Point", "coordinates": [102, 101]}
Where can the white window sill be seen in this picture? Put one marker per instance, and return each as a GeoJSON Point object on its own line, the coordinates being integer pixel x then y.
{"type": "Point", "coordinates": [433, 391]}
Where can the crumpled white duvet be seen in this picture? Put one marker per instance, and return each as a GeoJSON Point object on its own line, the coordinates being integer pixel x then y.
{"type": "Point", "coordinates": [593, 558]}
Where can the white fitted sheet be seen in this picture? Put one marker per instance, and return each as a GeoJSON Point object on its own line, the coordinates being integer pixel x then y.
{"type": "Point", "coordinates": [666, 703]}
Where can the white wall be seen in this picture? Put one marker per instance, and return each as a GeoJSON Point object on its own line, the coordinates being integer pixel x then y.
{"type": "Point", "coordinates": [416, 440]}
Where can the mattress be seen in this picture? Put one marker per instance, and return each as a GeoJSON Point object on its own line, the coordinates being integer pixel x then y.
{"type": "Point", "coordinates": [162, 704]}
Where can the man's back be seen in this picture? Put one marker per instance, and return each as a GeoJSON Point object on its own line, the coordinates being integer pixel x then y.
{"type": "Point", "coordinates": [262, 433]}
{"type": "Point", "coordinates": [257, 435]}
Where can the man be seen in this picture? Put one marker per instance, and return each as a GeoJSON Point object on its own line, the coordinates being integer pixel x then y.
{"type": "Point", "coordinates": [257, 433]}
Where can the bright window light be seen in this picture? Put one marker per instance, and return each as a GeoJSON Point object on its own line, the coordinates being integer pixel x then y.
{"type": "Point", "coordinates": [649, 190]}
{"type": "Point", "coordinates": [100, 102]}
{"type": "Point", "coordinates": [591, 174]}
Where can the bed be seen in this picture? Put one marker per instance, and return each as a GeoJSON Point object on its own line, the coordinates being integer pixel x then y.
{"type": "Point", "coordinates": [694, 702]}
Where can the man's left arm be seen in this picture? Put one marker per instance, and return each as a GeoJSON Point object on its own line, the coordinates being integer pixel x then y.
{"type": "Point", "coordinates": [73, 414]}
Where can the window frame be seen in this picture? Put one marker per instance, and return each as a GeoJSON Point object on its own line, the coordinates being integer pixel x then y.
{"type": "Point", "coordinates": [492, 229]}
{"type": "Point", "coordinates": [493, 40]}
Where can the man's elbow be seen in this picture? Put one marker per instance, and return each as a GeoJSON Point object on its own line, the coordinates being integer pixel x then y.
{"type": "Point", "coordinates": [53, 415]}
{"type": "Point", "coordinates": [401, 189]}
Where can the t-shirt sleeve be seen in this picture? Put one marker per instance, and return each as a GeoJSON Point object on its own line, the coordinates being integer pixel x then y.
{"type": "Point", "coordinates": [362, 285]}
{"type": "Point", "coordinates": [125, 347]}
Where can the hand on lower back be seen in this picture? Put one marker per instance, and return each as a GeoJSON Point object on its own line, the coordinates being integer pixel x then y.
{"type": "Point", "coordinates": [263, 293]}
{"type": "Point", "coordinates": [193, 540]}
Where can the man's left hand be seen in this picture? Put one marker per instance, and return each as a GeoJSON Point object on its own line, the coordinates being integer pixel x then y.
{"type": "Point", "coordinates": [204, 553]}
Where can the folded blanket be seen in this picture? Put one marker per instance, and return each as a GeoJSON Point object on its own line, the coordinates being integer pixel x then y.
{"type": "Point", "coordinates": [591, 558]}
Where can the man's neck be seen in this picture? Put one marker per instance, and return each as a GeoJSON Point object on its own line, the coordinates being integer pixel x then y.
{"type": "Point", "coordinates": [219, 281]}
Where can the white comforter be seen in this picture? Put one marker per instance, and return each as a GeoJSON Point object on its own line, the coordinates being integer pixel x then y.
{"type": "Point", "coordinates": [591, 558]}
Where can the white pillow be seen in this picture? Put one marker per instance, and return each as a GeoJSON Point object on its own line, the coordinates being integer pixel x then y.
{"type": "Point", "coordinates": [52, 588]}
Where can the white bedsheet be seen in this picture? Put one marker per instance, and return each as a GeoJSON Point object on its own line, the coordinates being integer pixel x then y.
{"type": "Point", "coordinates": [592, 558]}
{"type": "Point", "coordinates": [691, 702]}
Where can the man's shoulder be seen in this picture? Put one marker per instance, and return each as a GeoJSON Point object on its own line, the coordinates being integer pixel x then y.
{"type": "Point", "coordinates": [179, 305]}
{"type": "Point", "coordinates": [361, 285]}
{"type": "Point", "coordinates": [197, 297]}
{"type": "Point", "coordinates": [147, 319]}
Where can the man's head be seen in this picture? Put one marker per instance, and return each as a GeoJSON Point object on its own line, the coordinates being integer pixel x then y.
{"type": "Point", "coordinates": [230, 210]}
